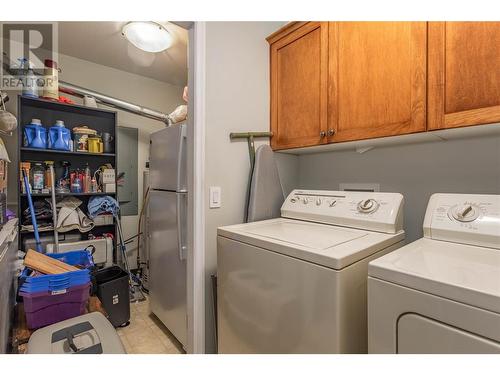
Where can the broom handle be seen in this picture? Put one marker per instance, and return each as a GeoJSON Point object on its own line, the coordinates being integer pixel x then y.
{"type": "Point", "coordinates": [38, 244]}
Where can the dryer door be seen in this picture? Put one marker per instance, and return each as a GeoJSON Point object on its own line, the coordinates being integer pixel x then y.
{"type": "Point", "coordinates": [421, 335]}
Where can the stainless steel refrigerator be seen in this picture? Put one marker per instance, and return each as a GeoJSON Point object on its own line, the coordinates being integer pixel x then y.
{"type": "Point", "coordinates": [167, 229]}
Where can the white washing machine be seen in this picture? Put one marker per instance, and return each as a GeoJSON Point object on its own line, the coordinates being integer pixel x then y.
{"type": "Point", "coordinates": [297, 284]}
{"type": "Point", "coordinates": [441, 293]}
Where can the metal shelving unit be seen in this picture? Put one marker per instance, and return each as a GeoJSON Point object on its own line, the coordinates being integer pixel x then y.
{"type": "Point", "coordinates": [73, 115]}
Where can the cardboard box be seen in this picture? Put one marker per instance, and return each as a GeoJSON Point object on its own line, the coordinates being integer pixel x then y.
{"type": "Point", "coordinates": [110, 188]}
{"type": "Point", "coordinates": [108, 177]}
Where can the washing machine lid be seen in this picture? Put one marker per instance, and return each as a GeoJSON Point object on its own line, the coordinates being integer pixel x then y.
{"type": "Point", "coordinates": [463, 273]}
{"type": "Point", "coordinates": [328, 245]}
{"type": "Point", "coordinates": [304, 234]}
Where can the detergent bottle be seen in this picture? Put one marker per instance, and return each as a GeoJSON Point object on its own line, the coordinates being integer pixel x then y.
{"type": "Point", "coordinates": [35, 135]}
{"type": "Point", "coordinates": [59, 137]}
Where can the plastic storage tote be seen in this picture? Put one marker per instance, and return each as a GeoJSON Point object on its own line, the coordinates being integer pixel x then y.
{"type": "Point", "coordinates": [44, 308]}
{"type": "Point", "coordinates": [54, 283]}
{"type": "Point", "coordinates": [113, 292]}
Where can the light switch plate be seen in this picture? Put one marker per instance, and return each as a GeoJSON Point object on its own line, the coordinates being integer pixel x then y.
{"type": "Point", "coordinates": [215, 196]}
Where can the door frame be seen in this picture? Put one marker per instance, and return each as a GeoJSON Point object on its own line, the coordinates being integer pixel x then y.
{"type": "Point", "coordinates": [196, 303]}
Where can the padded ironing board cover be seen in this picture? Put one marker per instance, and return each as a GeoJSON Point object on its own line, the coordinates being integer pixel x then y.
{"type": "Point", "coordinates": [266, 193]}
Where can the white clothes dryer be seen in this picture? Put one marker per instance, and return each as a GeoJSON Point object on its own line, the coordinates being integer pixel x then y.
{"type": "Point", "coordinates": [441, 293]}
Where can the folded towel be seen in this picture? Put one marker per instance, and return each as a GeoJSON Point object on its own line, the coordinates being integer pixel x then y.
{"type": "Point", "coordinates": [73, 218]}
{"type": "Point", "coordinates": [100, 205]}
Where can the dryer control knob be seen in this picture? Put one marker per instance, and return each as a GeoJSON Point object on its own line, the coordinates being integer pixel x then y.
{"type": "Point", "coordinates": [465, 213]}
{"type": "Point", "coordinates": [367, 206]}
{"type": "Point", "coordinates": [305, 201]}
{"type": "Point", "coordinates": [318, 202]}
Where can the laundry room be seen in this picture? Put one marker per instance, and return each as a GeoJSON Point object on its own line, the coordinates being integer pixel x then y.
{"type": "Point", "coordinates": [230, 183]}
{"type": "Point", "coordinates": [374, 184]}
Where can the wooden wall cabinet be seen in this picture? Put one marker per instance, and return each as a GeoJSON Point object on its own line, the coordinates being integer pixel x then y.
{"type": "Point", "coordinates": [464, 74]}
{"type": "Point", "coordinates": [360, 80]}
{"type": "Point", "coordinates": [377, 79]}
{"type": "Point", "coordinates": [299, 64]}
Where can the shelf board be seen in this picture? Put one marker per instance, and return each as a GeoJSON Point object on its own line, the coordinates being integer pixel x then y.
{"type": "Point", "coordinates": [66, 194]}
{"type": "Point", "coordinates": [57, 105]}
{"type": "Point", "coordinates": [50, 151]}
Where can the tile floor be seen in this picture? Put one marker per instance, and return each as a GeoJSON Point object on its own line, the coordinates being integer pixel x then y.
{"type": "Point", "coordinates": [146, 334]}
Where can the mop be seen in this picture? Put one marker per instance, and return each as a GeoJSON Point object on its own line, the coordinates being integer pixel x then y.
{"type": "Point", "coordinates": [38, 244]}
{"type": "Point", "coordinates": [107, 204]}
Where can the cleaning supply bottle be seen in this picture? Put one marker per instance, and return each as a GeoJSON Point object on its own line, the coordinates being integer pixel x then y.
{"type": "Point", "coordinates": [76, 184]}
{"type": "Point", "coordinates": [48, 174]}
{"type": "Point", "coordinates": [37, 177]}
{"type": "Point", "coordinates": [59, 137]}
{"type": "Point", "coordinates": [28, 78]}
{"type": "Point", "coordinates": [87, 180]}
{"type": "Point", "coordinates": [35, 135]}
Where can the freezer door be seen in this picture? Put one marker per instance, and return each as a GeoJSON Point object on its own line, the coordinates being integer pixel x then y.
{"type": "Point", "coordinates": [167, 164]}
{"type": "Point", "coordinates": [167, 260]}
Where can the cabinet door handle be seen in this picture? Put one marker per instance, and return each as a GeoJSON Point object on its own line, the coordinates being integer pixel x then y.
{"type": "Point", "coordinates": [331, 132]}
{"type": "Point", "coordinates": [322, 134]}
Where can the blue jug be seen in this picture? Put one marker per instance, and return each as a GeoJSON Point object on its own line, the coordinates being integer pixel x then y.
{"type": "Point", "coordinates": [35, 135]}
{"type": "Point", "coordinates": [59, 137]}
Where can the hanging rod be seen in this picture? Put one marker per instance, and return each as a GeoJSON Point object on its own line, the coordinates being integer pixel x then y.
{"type": "Point", "coordinates": [250, 134]}
{"type": "Point", "coordinates": [75, 90]}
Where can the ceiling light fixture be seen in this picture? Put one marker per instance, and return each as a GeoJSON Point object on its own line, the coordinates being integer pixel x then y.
{"type": "Point", "coordinates": [148, 36]}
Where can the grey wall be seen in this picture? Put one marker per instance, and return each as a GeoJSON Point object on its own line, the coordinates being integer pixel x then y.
{"type": "Point", "coordinates": [237, 99]}
{"type": "Point", "coordinates": [415, 170]}
{"type": "Point", "coordinates": [288, 169]}
{"type": "Point", "coordinates": [127, 141]}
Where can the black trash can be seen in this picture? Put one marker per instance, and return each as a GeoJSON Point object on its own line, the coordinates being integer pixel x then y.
{"type": "Point", "coordinates": [113, 292]}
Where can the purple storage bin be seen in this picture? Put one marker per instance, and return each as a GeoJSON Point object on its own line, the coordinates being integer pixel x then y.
{"type": "Point", "coordinates": [45, 308]}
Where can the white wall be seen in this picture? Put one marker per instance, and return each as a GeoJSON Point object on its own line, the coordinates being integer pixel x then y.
{"type": "Point", "coordinates": [237, 100]}
{"type": "Point", "coordinates": [123, 85]}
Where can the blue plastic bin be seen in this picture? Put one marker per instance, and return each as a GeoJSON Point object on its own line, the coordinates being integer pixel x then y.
{"type": "Point", "coordinates": [54, 283]}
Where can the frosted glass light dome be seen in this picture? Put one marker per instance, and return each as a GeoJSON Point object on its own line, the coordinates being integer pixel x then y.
{"type": "Point", "coordinates": [147, 36]}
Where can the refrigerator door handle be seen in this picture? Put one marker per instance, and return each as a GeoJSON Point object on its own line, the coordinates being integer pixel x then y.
{"type": "Point", "coordinates": [181, 212]}
{"type": "Point", "coordinates": [181, 165]}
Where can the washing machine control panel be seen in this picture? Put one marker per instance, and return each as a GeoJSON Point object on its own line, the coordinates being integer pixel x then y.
{"type": "Point", "coordinates": [464, 218]}
{"type": "Point", "coordinates": [363, 210]}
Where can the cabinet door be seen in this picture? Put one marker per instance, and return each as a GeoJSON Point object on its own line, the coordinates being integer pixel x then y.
{"type": "Point", "coordinates": [464, 74]}
{"type": "Point", "coordinates": [377, 79]}
{"type": "Point", "coordinates": [299, 87]}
